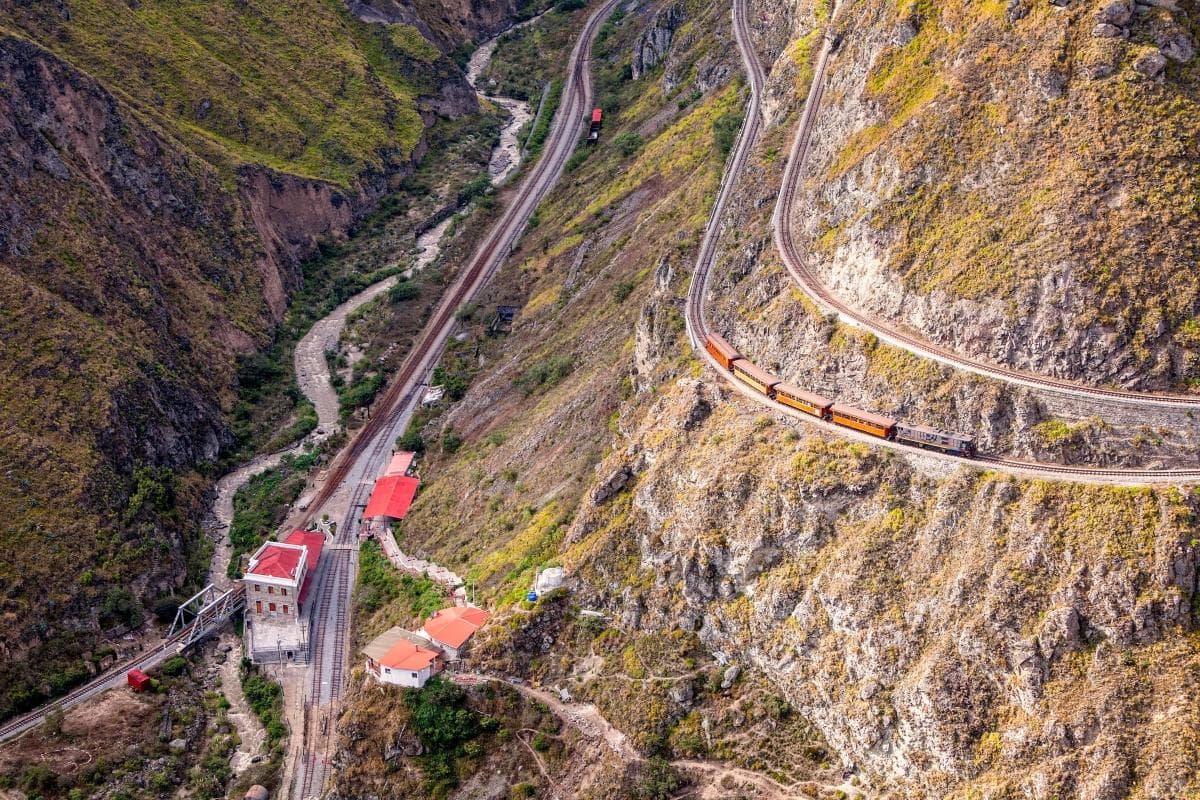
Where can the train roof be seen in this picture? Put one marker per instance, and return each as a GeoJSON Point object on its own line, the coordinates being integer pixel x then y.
{"type": "Point", "coordinates": [933, 431]}
{"type": "Point", "coordinates": [754, 371]}
{"type": "Point", "coordinates": [596, 114]}
{"type": "Point", "coordinates": [865, 416]}
{"type": "Point", "coordinates": [723, 346]}
{"type": "Point", "coordinates": [812, 398]}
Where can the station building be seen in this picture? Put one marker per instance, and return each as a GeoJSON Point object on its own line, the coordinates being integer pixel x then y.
{"type": "Point", "coordinates": [279, 582]}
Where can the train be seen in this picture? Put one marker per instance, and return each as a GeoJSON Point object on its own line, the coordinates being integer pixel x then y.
{"type": "Point", "coordinates": [763, 382]}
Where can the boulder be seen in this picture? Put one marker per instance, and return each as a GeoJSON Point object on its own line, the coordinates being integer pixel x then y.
{"type": "Point", "coordinates": [1150, 64]}
{"type": "Point", "coordinates": [1116, 12]}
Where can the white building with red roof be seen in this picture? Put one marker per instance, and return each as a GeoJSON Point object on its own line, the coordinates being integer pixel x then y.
{"type": "Point", "coordinates": [401, 658]}
{"type": "Point", "coordinates": [279, 583]}
{"type": "Point", "coordinates": [452, 628]}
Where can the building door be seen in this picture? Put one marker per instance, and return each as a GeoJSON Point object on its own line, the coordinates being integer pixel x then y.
{"type": "Point", "coordinates": [258, 606]}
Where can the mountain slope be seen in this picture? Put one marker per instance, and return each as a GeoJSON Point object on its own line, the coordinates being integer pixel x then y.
{"type": "Point", "coordinates": [166, 168]}
{"type": "Point", "coordinates": [1018, 180]}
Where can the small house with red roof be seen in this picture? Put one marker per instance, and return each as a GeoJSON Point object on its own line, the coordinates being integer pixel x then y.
{"type": "Point", "coordinates": [401, 658]}
{"type": "Point", "coordinates": [279, 592]}
{"type": "Point", "coordinates": [452, 628]}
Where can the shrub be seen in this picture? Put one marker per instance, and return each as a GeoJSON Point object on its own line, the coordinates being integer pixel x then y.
{"type": "Point", "coordinates": [165, 607]}
{"type": "Point", "coordinates": [477, 187]}
{"type": "Point", "coordinates": [658, 781]}
{"type": "Point", "coordinates": [440, 716]}
{"type": "Point", "coordinates": [121, 606]}
{"type": "Point", "coordinates": [627, 143]}
{"type": "Point", "coordinates": [566, 6]}
{"type": "Point", "coordinates": [546, 373]}
{"type": "Point", "coordinates": [541, 742]}
{"type": "Point", "coordinates": [404, 290]}
{"type": "Point", "coordinates": [174, 666]}
{"type": "Point", "coordinates": [622, 290]}
{"type": "Point", "coordinates": [451, 441]}
{"type": "Point", "coordinates": [38, 779]}
{"type": "Point", "coordinates": [412, 441]}
{"type": "Point", "coordinates": [725, 130]}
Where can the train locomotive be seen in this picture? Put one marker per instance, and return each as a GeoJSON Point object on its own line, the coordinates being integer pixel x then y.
{"type": "Point", "coordinates": [821, 407]}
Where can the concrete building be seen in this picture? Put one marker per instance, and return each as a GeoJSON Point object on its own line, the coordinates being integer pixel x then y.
{"type": "Point", "coordinates": [400, 658]}
{"type": "Point", "coordinates": [279, 581]}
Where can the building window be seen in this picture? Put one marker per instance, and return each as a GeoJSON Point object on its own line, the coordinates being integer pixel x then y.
{"type": "Point", "coordinates": [414, 674]}
{"type": "Point", "coordinates": [272, 606]}
{"type": "Point", "coordinates": [270, 590]}
{"type": "Point", "coordinates": [258, 606]}
{"type": "Point", "coordinates": [285, 608]}
{"type": "Point", "coordinates": [257, 588]}
{"type": "Point", "coordinates": [283, 592]}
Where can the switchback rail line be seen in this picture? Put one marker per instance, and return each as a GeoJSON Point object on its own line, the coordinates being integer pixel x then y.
{"type": "Point", "coordinates": [695, 309]}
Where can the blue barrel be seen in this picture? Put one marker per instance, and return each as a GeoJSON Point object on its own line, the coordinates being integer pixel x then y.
{"type": "Point", "coordinates": [531, 597]}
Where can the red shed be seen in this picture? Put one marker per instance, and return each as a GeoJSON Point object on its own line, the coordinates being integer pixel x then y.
{"type": "Point", "coordinates": [138, 680]}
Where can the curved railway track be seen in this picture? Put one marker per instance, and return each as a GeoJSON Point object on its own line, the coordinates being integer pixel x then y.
{"type": "Point", "coordinates": [697, 326]}
{"type": "Point", "coordinates": [800, 270]}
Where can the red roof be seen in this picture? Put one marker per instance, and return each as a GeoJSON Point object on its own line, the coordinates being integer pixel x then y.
{"type": "Point", "coordinates": [454, 626]}
{"type": "Point", "coordinates": [277, 562]}
{"type": "Point", "coordinates": [399, 464]}
{"type": "Point", "coordinates": [137, 679]}
{"type": "Point", "coordinates": [314, 542]}
{"type": "Point", "coordinates": [406, 655]}
{"type": "Point", "coordinates": [392, 497]}
{"type": "Point", "coordinates": [595, 115]}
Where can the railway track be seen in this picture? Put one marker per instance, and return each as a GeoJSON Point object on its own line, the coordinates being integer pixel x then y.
{"type": "Point", "coordinates": [496, 245]}
{"type": "Point", "coordinates": [358, 463]}
{"type": "Point", "coordinates": [697, 326]}
{"type": "Point", "coordinates": [800, 270]}
{"type": "Point", "coordinates": [114, 676]}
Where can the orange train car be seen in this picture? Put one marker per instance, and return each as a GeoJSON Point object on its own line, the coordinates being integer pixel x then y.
{"type": "Point", "coordinates": [754, 377]}
{"type": "Point", "coordinates": [865, 421]}
{"type": "Point", "coordinates": [721, 350]}
{"type": "Point", "coordinates": [801, 400]}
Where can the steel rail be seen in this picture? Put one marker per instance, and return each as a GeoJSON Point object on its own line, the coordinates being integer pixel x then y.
{"type": "Point", "coordinates": [802, 274]}
{"type": "Point", "coordinates": [697, 326]}
{"type": "Point", "coordinates": [497, 244]}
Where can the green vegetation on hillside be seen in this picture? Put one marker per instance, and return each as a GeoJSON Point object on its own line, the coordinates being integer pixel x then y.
{"type": "Point", "coordinates": [298, 85]}
{"type": "Point", "coordinates": [1041, 152]}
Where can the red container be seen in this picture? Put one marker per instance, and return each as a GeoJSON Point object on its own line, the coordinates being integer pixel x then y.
{"type": "Point", "coordinates": [138, 680]}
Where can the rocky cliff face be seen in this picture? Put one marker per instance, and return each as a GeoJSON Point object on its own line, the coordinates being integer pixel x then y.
{"type": "Point", "coordinates": [946, 632]}
{"type": "Point", "coordinates": [449, 23]}
{"type": "Point", "coordinates": [152, 226]}
{"type": "Point", "coordinates": [1055, 228]}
